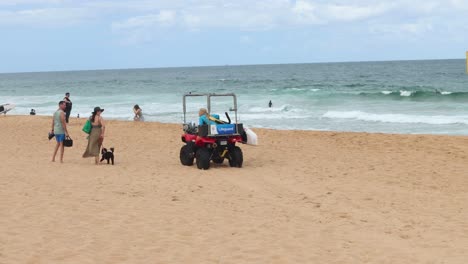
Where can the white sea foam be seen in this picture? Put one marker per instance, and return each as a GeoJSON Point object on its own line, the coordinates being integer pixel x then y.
{"type": "Point", "coordinates": [263, 109]}
{"type": "Point", "coordinates": [271, 116]}
{"type": "Point", "coordinates": [282, 108]}
{"type": "Point", "coordinates": [405, 93]}
{"type": "Point", "coordinates": [397, 118]}
{"type": "Point", "coordinates": [300, 106]}
{"type": "Point", "coordinates": [296, 89]}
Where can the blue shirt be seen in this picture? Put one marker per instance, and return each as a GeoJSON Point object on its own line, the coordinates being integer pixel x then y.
{"type": "Point", "coordinates": [204, 120]}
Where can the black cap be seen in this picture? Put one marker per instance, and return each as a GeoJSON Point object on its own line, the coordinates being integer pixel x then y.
{"type": "Point", "coordinates": [98, 109]}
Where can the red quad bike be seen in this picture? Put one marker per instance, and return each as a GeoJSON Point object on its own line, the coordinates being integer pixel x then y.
{"type": "Point", "coordinates": [215, 143]}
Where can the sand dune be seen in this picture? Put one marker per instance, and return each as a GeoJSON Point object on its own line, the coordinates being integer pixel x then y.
{"type": "Point", "coordinates": [301, 197]}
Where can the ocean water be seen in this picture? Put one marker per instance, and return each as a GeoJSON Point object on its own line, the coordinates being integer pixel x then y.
{"type": "Point", "coordinates": [429, 97]}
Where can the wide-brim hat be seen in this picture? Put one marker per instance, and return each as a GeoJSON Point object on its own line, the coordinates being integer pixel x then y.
{"type": "Point", "coordinates": [97, 109]}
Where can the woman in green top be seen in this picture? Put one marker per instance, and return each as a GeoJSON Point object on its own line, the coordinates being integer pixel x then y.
{"type": "Point", "coordinates": [96, 137]}
{"type": "Point", "coordinates": [59, 129]}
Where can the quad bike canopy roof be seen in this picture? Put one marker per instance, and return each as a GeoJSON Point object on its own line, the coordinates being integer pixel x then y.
{"type": "Point", "coordinates": [209, 96]}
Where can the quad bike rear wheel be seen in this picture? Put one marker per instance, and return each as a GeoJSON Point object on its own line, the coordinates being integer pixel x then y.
{"type": "Point", "coordinates": [236, 157]}
{"type": "Point", "coordinates": [203, 158]}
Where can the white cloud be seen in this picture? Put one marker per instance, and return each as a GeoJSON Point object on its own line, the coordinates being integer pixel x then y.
{"type": "Point", "coordinates": [49, 17]}
{"type": "Point", "coordinates": [380, 17]}
{"type": "Point", "coordinates": [191, 21]}
{"type": "Point", "coordinates": [403, 29]}
{"type": "Point", "coordinates": [459, 4]}
{"type": "Point", "coordinates": [137, 16]}
{"type": "Point", "coordinates": [353, 13]}
{"type": "Point", "coordinates": [163, 18]}
{"type": "Point", "coordinates": [304, 12]}
{"type": "Point", "coordinates": [141, 29]}
{"type": "Point", "coordinates": [265, 15]}
{"type": "Point", "coordinates": [29, 2]}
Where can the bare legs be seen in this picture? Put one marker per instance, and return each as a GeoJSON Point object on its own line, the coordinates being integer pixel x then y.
{"type": "Point", "coordinates": [100, 145]}
{"type": "Point", "coordinates": [62, 149]}
{"type": "Point", "coordinates": [59, 145]}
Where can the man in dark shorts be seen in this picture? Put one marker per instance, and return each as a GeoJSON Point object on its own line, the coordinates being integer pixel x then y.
{"type": "Point", "coordinates": [69, 106]}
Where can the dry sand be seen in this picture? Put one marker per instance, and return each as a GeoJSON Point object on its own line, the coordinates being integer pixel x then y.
{"type": "Point", "coordinates": [301, 197]}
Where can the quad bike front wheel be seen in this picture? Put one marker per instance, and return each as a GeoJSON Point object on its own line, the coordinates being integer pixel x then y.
{"type": "Point", "coordinates": [186, 155]}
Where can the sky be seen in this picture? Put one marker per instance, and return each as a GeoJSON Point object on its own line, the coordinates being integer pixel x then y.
{"type": "Point", "coordinates": [57, 35]}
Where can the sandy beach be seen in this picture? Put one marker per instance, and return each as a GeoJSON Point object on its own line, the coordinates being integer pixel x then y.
{"type": "Point", "coordinates": [301, 197]}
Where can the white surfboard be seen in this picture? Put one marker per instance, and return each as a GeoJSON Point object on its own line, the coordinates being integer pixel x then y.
{"type": "Point", "coordinates": [4, 108]}
{"type": "Point", "coordinates": [251, 136]}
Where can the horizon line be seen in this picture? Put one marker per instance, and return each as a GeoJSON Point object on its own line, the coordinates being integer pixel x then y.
{"type": "Point", "coordinates": [228, 65]}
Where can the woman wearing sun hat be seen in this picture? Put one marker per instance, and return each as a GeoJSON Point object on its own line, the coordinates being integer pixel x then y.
{"type": "Point", "coordinates": [96, 137]}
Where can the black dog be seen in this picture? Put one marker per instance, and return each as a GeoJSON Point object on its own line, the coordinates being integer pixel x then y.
{"type": "Point", "coordinates": [108, 155]}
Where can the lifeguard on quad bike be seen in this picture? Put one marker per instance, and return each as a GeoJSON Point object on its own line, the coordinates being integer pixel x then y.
{"type": "Point", "coordinates": [212, 142]}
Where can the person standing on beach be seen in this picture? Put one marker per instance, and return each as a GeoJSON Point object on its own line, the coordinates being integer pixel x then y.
{"type": "Point", "coordinates": [96, 137]}
{"type": "Point", "coordinates": [270, 104]}
{"type": "Point", "coordinates": [69, 106]}
{"type": "Point", "coordinates": [138, 113]}
{"type": "Point", "coordinates": [59, 128]}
